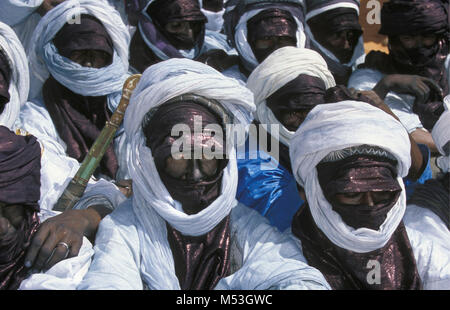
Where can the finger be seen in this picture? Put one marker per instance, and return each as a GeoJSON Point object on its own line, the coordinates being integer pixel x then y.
{"type": "Point", "coordinates": [60, 252]}
{"type": "Point", "coordinates": [434, 86]}
{"type": "Point", "coordinates": [46, 251]}
{"type": "Point", "coordinates": [75, 248]}
{"type": "Point", "coordinates": [352, 91]}
{"type": "Point", "coordinates": [38, 240]}
{"type": "Point", "coordinates": [425, 91]}
{"type": "Point", "coordinates": [4, 226]}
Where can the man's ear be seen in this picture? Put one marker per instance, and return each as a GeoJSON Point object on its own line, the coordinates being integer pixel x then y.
{"type": "Point", "coordinates": [301, 192]}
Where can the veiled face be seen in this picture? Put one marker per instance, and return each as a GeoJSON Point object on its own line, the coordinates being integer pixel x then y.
{"type": "Point", "coordinates": [191, 170]}
{"type": "Point", "coordinates": [417, 41]}
{"type": "Point", "coordinates": [292, 119]}
{"type": "Point", "coordinates": [342, 44]}
{"type": "Point", "coordinates": [366, 198]}
{"type": "Point", "coordinates": [265, 46]}
{"type": "Point", "coordinates": [91, 58]}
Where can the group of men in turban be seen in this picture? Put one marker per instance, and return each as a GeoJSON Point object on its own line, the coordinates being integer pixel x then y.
{"type": "Point", "coordinates": [261, 148]}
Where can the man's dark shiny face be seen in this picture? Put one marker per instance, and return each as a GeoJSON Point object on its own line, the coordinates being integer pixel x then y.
{"type": "Point", "coordinates": [265, 46]}
{"type": "Point", "coordinates": [417, 41]}
{"type": "Point", "coordinates": [185, 33]}
{"type": "Point", "coordinates": [292, 119]}
{"type": "Point", "coordinates": [342, 44]}
{"type": "Point", "coordinates": [191, 170]}
{"type": "Point", "coordinates": [91, 58]}
{"type": "Point", "coordinates": [367, 198]}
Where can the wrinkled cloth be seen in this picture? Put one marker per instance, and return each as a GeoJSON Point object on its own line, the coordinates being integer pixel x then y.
{"type": "Point", "coordinates": [237, 15]}
{"type": "Point", "coordinates": [434, 195]}
{"type": "Point", "coordinates": [79, 121]}
{"type": "Point", "coordinates": [416, 16]}
{"type": "Point", "coordinates": [429, 237]}
{"type": "Point", "coordinates": [254, 244]}
{"type": "Point", "coordinates": [316, 9]}
{"type": "Point", "coordinates": [345, 270]}
{"type": "Point", "coordinates": [20, 164]}
{"type": "Point", "coordinates": [160, 83]}
{"type": "Point", "coordinates": [46, 60]}
{"type": "Point", "coordinates": [441, 136]}
{"type": "Point", "coordinates": [19, 85]}
{"type": "Point", "coordinates": [200, 262]}
{"type": "Point", "coordinates": [281, 67]}
{"type": "Point", "coordinates": [309, 146]}
{"type": "Point", "coordinates": [270, 189]}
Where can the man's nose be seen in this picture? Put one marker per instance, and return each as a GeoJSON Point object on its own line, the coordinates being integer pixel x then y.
{"type": "Point", "coordinates": [368, 199]}
{"type": "Point", "coordinates": [195, 174]}
{"type": "Point", "coordinates": [186, 31]}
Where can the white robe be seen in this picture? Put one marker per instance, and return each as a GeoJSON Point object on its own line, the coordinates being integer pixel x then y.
{"type": "Point", "coordinates": [255, 245]}
{"type": "Point", "coordinates": [65, 275]}
{"type": "Point", "coordinates": [401, 104]}
{"type": "Point", "coordinates": [429, 238]}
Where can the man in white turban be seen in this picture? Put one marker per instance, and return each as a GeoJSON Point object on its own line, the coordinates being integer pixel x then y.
{"type": "Point", "coordinates": [54, 175]}
{"type": "Point", "coordinates": [350, 158]}
{"type": "Point", "coordinates": [24, 15]}
{"type": "Point", "coordinates": [286, 86]}
{"type": "Point", "coordinates": [257, 28]}
{"type": "Point", "coordinates": [183, 228]}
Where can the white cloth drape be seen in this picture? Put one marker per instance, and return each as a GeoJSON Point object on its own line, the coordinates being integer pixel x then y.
{"type": "Point", "coordinates": [278, 69]}
{"type": "Point", "coordinates": [333, 127]}
{"type": "Point", "coordinates": [45, 59]}
{"type": "Point", "coordinates": [20, 81]}
{"type": "Point", "coordinates": [441, 136]}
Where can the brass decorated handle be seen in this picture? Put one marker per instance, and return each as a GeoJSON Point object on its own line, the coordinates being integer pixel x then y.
{"type": "Point", "coordinates": [128, 88]}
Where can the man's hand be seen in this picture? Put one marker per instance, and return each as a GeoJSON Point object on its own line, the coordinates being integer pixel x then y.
{"type": "Point", "coordinates": [126, 187]}
{"type": "Point", "coordinates": [47, 5]}
{"type": "Point", "coordinates": [6, 228]}
{"type": "Point", "coordinates": [415, 85]}
{"type": "Point", "coordinates": [376, 101]}
{"type": "Point", "coordinates": [47, 246]}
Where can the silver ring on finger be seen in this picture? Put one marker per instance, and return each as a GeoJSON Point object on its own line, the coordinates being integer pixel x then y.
{"type": "Point", "coordinates": [66, 246]}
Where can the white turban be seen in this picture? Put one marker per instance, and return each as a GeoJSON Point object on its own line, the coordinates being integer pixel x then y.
{"type": "Point", "coordinates": [44, 56]}
{"type": "Point", "coordinates": [441, 136]}
{"type": "Point", "coordinates": [281, 67]}
{"type": "Point", "coordinates": [152, 203]}
{"type": "Point", "coordinates": [333, 127]}
{"type": "Point", "coordinates": [20, 80]}
{"type": "Point", "coordinates": [241, 32]}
